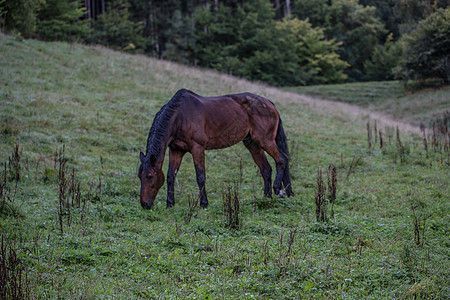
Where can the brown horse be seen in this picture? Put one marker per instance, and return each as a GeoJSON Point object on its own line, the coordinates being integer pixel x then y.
{"type": "Point", "coordinates": [192, 123]}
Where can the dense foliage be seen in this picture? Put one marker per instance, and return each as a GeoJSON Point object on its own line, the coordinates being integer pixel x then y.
{"type": "Point", "coordinates": [287, 43]}
{"type": "Point", "coordinates": [245, 43]}
{"type": "Point", "coordinates": [427, 48]}
{"type": "Point", "coordinates": [62, 20]}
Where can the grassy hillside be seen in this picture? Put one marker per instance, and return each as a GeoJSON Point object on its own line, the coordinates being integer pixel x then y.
{"type": "Point", "coordinates": [388, 97]}
{"type": "Point", "coordinates": [87, 111]}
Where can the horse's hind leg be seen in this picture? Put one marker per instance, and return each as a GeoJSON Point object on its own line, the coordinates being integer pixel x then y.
{"type": "Point", "coordinates": [261, 160]}
{"type": "Point", "coordinates": [287, 181]}
{"type": "Point", "coordinates": [281, 162]}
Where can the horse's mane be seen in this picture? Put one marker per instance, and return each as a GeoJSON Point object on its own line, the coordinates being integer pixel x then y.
{"type": "Point", "coordinates": [160, 124]}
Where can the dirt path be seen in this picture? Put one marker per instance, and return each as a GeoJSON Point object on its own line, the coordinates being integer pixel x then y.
{"type": "Point", "coordinates": [356, 111]}
{"type": "Point", "coordinates": [351, 110]}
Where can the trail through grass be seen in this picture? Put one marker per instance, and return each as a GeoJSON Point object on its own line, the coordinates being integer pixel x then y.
{"type": "Point", "coordinates": [387, 100]}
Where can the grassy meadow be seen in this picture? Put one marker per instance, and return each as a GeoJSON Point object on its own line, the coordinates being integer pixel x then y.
{"type": "Point", "coordinates": [407, 104]}
{"type": "Point", "coordinates": [72, 122]}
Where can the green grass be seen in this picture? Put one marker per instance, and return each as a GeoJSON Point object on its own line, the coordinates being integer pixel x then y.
{"type": "Point", "coordinates": [100, 105]}
{"type": "Point", "coordinates": [387, 97]}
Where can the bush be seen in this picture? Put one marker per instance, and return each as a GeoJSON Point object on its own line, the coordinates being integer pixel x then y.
{"type": "Point", "coordinates": [427, 49]}
{"type": "Point", "coordinates": [384, 60]}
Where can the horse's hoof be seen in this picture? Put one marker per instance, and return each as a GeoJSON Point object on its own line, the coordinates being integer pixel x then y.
{"type": "Point", "coordinates": [281, 194]}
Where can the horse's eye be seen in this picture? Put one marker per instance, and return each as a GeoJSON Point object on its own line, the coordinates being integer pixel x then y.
{"type": "Point", "coordinates": [150, 176]}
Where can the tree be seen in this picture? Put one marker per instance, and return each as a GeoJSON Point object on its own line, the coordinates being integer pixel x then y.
{"type": "Point", "coordinates": [359, 31]}
{"type": "Point", "coordinates": [217, 39]}
{"type": "Point", "coordinates": [427, 49]}
{"type": "Point", "coordinates": [165, 24]}
{"type": "Point", "coordinates": [20, 16]}
{"type": "Point", "coordinates": [94, 8]}
{"type": "Point", "coordinates": [248, 42]}
{"type": "Point", "coordinates": [308, 58]}
{"type": "Point", "coordinates": [62, 20]}
{"type": "Point", "coordinates": [115, 29]}
{"type": "Point", "coordinates": [385, 59]}
{"type": "Point", "coordinates": [348, 22]}
{"type": "Point", "coordinates": [180, 39]}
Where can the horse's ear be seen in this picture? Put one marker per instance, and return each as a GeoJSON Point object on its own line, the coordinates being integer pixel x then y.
{"type": "Point", "coordinates": [141, 157]}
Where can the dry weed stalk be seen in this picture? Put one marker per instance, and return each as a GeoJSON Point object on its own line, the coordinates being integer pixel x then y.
{"type": "Point", "coordinates": [400, 148]}
{"type": "Point", "coordinates": [292, 234]}
{"type": "Point", "coordinates": [14, 283]}
{"type": "Point", "coordinates": [192, 208]}
{"type": "Point", "coordinates": [332, 186]}
{"type": "Point", "coordinates": [440, 133]}
{"type": "Point", "coordinates": [424, 138]}
{"type": "Point", "coordinates": [321, 204]}
{"type": "Point", "coordinates": [369, 135]}
{"type": "Point", "coordinates": [69, 194]}
{"type": "Point", "coordinates": [14, 164]}
{"type": "Point", "coordinates": [4, 191]}
{"type": "Point", "coordinates": [399, 141]}
{"type": "Point", "coordinates": [355, 161]}
{"type": "Point", "coordinates": [12, 172]}
{"type": "Point", "coordinates": [74, 189]}
{"type": "Point", "coordinates": [285, 252]}
{"type": "Point", "coordinates": [419, 235]}
{"type": "Point", "coordinates": [381, 139]}
{"type": "Point", "coordinates": [231, 207]}
{"type": "Point", "coordinates": [389, 132]}
{"type": "Point", "coordinates": [375, 131]}
{"type": "Point", "coordinates": [62, 187]}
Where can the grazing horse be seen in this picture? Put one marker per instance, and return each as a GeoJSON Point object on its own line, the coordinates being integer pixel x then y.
{"type": "Point", "coordinates": [192, 123]}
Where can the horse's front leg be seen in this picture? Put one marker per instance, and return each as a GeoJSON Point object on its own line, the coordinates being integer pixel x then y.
{"type": "Point", "coordinates": [198, 154]}
{"type": "Point", "coordinates": [175, 158]}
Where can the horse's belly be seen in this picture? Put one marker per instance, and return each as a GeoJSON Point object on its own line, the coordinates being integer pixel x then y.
{"type": "Point", "coordinates": [227, 136]}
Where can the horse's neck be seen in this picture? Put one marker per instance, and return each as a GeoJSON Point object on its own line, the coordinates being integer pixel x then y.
{"type": "Point", "coordinates": [159, 150]}
{"type": "Point", "coordinates": [160, 133]}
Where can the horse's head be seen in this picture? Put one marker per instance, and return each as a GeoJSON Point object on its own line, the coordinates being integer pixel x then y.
{"type": "Point", "coordinates": [152, 178]}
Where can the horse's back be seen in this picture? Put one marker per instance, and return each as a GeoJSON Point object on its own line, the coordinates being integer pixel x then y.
{"type": "Point", "coordinates": [247, 101]}
{"type": "Point", "coordinates": [221, 121]}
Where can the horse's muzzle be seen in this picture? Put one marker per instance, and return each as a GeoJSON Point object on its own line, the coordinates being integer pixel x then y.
{"type": "Point", "coordinates": [147, 205]}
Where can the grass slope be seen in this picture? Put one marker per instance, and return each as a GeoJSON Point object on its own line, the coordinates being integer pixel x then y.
{"type": "Point", "coordinates": [388, 97]}
{"type": "Point", "coordinates": [100, 105]}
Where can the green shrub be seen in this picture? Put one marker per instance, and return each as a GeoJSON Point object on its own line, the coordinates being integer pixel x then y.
{"type": "Point", "coordinates": [384, 59]}
{"type": "Point", "coordinates": [427, 49]}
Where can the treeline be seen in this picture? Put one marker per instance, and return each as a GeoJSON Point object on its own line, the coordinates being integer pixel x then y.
{"type": "Point", "coordinates": [282, 42]}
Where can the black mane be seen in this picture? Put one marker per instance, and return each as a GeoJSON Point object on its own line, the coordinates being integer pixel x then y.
{"type": "Point", "coordinates": [160, 124]}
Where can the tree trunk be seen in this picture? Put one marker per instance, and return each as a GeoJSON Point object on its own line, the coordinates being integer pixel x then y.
{"type": "Point", "coordinates": [287, 8]}
{"type": "Point", "coordinates": [87, 3]}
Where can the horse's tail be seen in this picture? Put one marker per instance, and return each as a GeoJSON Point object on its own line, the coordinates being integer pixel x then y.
{"type": "Point", "coordinates": [281, 142]}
